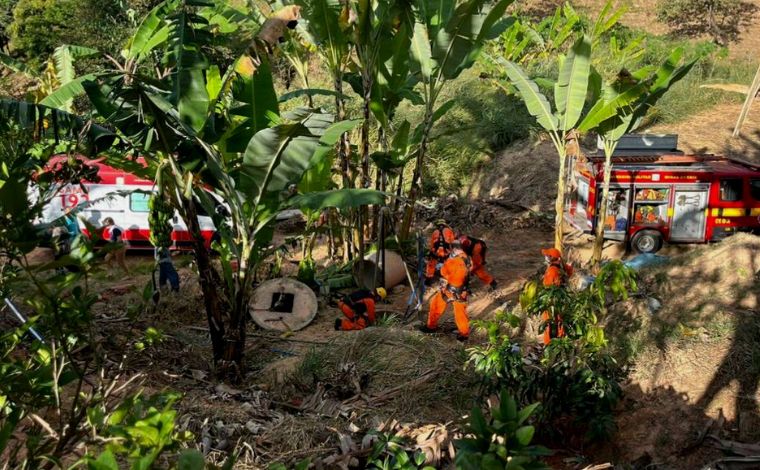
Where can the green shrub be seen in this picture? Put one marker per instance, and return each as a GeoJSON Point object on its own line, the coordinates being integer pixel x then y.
{"type": "Point", "coordinates": [502, 441]}
{"type": "Point", "coordinates": [574, 376]}
{"type": "Point", "coordinates": [389, 453]}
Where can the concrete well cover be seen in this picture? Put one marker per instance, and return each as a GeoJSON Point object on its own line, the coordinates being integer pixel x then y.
{"type": "Point", "coordinates": [283, 304]}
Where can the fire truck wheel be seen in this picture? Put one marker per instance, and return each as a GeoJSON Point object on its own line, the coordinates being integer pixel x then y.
{"type": "Point", "coordinates": [647, 241]}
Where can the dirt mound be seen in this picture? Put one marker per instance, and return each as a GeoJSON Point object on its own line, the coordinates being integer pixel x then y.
{"type": "Point", "coordinates": [694, 332]}
{"type": "Point", "coordinates": [709, 279]}
{"type": "Point", "coordinates": [525, 174]}
{"type": "Point", "coordinates": [711, 132]}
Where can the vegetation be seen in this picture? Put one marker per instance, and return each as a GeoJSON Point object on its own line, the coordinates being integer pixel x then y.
{"type": "Point", "coordinates": [503, 440]}
{"type": "Point", "coordinates": [352, 112]}
{"type": "Point", "coordinates": [575, 375]}
{"type": "Point", "coordinates": [722, 20]}
{"type": "Point", "coordinates": [35, 370]}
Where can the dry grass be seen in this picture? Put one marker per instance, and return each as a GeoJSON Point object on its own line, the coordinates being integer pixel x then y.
{"type": "Point", "coordinates": [386, 358]}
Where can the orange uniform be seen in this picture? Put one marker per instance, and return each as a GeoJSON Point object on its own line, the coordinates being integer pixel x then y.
{"type": "Point", "coordinates": [456, 273]}
{"type": "Point", "coordinates": [440, 247]}
{"type": "Point", "coordinates": [359, 310]}
{"type": "Point", "coordinates": [476, 250]}
{"type": "Point", "coordinates": [555, 276]}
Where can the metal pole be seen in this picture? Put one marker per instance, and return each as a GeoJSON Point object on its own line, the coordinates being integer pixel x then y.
{"type": "Point", "coordinates": [751, 94]}
{"type": "Point", "coordinates": [22, 319]}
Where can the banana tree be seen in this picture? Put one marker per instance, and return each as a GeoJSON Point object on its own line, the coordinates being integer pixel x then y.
{"type": "Point", "coordinates": [56, 84]}
{"type": "Point", "coordinates": [446, 39]}
{"type": "Point", "coordinates": [620, 109]}
{"type": "Point", "coordinates": [570, 92]}
{"type": "Point", "coordinates": [218, 142]}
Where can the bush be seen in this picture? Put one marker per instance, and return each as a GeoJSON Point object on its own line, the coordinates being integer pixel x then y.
{"type": "Point", "coordinates": [501, 441]}
{"type": "Point", "coordinates": [60, 400]}
{"type": "Point", "coordinates": [722, 20]}
{"type": "Point", "coordinates": [575, 376]}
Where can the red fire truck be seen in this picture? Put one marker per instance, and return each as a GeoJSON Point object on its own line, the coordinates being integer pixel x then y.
{"type": "Point", "coordinates": [659, 194]}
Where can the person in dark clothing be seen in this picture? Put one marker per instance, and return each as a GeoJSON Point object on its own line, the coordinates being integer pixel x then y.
{"type": "Point", "coordinates": [166, 271]}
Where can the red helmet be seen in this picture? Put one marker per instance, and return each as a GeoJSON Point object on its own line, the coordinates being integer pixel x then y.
{"type": "Point", "coordinates": [552, 253]}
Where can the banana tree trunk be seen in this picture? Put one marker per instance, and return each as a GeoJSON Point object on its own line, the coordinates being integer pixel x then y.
{"type": "Point", "coordinates": [596, 257]}
{"type": "Point", "coordinates": [209, 283]}
{"type": "Point", "coordinates": [559, 205]}
{"type": "Point", "coordinates": [416, 189]}
{"type": "Point", "coordinates": [344, 149]}
{"type": "Point", "coordinates": [363, 212]}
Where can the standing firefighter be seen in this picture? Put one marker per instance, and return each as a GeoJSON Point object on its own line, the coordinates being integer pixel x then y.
{"type": "Point", "coordinates": [556, 275]}
{"type": "Point", "coordinates": [440, 248]}
{"type": "Point", "coordinates": [476, 250]}
{"type": "Point", "coordinates": [359, 309]}
{"type": "Point", "coordinates": [455, 275]}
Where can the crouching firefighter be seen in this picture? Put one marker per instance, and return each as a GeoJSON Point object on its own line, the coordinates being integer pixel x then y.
{"type": "Point", "coordinates": [455, 277]}
{"type": "Point", "coordinates": [476, 250]}
{"type": "Point", "coordinates": [359, 309]}
{"type": "Point", "coordinates": [556, 275]}
{"type": "Point", "coordinates": [440, 248]}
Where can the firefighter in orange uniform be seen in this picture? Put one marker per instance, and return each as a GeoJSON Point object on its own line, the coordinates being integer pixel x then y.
{"type": "Point", "coordinates": [556, 275]}
{"type": "Point", "coordinates": [455, 276]}
{"type": "Point", "coordinates": [359, 309]}
{"type": "Point", "coordinates": [476, 250]}
{"type": "Point", "coordinates": [440, 248]}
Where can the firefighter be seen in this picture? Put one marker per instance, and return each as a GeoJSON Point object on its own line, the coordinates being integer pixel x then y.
{"type": "Point", "coordinates": [556, 275]}
{"type": "Point", "coordinates": [476, 249]}
{"type": "Point", "coordinates": [440, 248]}
{"type": "Point", "coordinates": [359, 309]}
{"type": "Point", "coordinates": [455, 276]}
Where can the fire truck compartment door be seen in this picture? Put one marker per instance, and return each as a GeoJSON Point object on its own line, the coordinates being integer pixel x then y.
{"type": "Point", "coordinates": [689, 214]}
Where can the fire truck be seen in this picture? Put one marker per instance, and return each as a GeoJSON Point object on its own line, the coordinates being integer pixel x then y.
{"type": "Point", "coordinates": [122, 196]}
{"type": "Point", "coordinates": [659, 194]}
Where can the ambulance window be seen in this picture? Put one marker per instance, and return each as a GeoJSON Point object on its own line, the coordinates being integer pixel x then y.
{"type": "Point", "coordinates": [138, 202]}
{"type": "Point", "coordinates": [754, 189]}
{"type": "Point", "coordinates": [731, 190]}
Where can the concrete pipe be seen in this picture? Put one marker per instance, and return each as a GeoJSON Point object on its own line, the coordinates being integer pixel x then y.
{"type": "Point", "coordinates": [283, 304]}
{"type": "Point", "coordinates": [366, 272]}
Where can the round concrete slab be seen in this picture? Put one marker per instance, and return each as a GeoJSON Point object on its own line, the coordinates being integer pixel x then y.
{"type": "Point", "coordinates": [283, 304]}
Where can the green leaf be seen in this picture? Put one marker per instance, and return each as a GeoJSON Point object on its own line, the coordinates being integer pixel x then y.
{"type": "Point", "coordinates": [106, 461]}
{"type": "Point", "coordinates": [277, 157]}
{"type": "Point", "coordinates": [421, 52]}
{"type": "Point", "coordinates": [62, 97]}
{"type": "Point", "coordinates": [189, 85]}
{"type": "Point", "coordinates": [213, 82]}
{"type": "Point", "coordinates": [253, 90]}
{"type": "Point", "coordinates": [525, 434]}
{"type": "Point", "coordinates": [340, 199]}
{"type": "Point", "coordinates": [17, 66]}
{"type": "Point", "coordinates": [152, 32]}
{"type": "Point", "coordinates": [191, 459]}
{"type": "Point", "coordinates": [323, 22]}
{"type": "Point", "coordinates": [537, 104]}
{"type": "Point", "coordinates": [400, 142]}
{"type": "Point", "coordinates": [526, 412]}
{"type": "Point", "coordinates": [33, 116]}
{"type": "Point", "coordinates": [572, 85]}
{"type": "Point", "coordinates": [333, 133]}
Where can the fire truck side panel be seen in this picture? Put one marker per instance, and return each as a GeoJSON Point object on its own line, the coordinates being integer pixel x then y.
{"type": "Point", "coordinates": [694, 205]}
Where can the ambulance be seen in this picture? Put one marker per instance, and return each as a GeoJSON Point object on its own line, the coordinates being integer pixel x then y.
{"type": "Point", "coordinates": [123, 197]}
{"type": "Point", "coordinates": [659, 194]}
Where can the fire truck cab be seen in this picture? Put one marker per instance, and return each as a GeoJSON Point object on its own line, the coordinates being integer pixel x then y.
{"type": "Point", "coordinates": [658, 194]}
